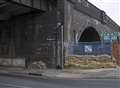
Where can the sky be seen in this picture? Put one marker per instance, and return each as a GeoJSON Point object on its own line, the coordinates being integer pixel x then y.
{"type": "Point", "coordinates": [111, 7]}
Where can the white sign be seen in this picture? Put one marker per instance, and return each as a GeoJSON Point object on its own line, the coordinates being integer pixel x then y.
{"type": "Point", "coordinates": [88, 49]}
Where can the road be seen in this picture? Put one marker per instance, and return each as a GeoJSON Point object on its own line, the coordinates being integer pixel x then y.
{"type": "Point", "coordinates": [17, 82]}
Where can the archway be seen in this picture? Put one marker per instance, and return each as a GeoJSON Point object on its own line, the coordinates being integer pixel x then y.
{"type": "Point", "coordinates": [89, 35]}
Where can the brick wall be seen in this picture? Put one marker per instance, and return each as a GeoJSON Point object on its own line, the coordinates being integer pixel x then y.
{"type": "Point", "coordinates": [116, 52]}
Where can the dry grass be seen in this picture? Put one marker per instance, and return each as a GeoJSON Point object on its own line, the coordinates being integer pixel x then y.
{"type": "Point", "coordinates": [89, 62]}
{"type": "Point", "coordinates": [38, 65]}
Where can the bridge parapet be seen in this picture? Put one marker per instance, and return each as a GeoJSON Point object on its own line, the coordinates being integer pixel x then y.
{"type": "Point", "coordinates": [43, 5]}
{"type": "Point", "coordinates": [108, 21]}
{"type": "Point", "coordinates": [37, 4]}
{"type": "Point", "coordinates": [89, 9]}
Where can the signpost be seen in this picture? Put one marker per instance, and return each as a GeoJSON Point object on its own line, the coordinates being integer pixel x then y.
{"type": "Point", "coordinates": [114, 36]}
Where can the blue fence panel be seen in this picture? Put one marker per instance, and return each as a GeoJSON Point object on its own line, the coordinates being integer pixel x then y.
{"type": "Point", "coordinates": [91, 48]}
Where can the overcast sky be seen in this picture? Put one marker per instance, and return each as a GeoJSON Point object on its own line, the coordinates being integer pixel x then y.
{"type": "Point", "coordinates": [111, 7]}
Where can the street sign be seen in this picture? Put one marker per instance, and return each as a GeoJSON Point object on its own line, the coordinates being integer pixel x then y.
{"type": "Point", "coordinates": [105, 36]}
{"type": "Point", "coordinates": [110, 36]}
{"type": "Point", "coordinates": [114, 36]}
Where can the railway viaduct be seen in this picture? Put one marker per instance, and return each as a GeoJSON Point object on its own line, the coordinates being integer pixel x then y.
{"type": "Point", "coordinates": [33, 30]}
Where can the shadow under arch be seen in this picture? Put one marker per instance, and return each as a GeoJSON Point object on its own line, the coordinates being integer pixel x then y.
{"type": "Point", "coordinates": [89, 35]}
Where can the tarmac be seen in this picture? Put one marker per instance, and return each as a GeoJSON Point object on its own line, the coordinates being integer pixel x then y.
{"type": "Point", "coordinates": [111, 73]}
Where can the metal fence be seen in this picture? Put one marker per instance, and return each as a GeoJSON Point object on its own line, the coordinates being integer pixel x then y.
{"type": "Point", "coordinates": [90, 48]}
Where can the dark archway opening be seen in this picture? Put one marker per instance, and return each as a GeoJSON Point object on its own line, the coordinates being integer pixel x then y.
{"type": "Point", "coordinates": [89, 35]}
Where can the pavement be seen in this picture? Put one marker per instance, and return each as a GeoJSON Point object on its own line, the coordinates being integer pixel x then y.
{"type": "Point", "coordinates": [111, 73]}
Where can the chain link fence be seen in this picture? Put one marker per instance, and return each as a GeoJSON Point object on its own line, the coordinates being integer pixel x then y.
{"type": "Point", "coordinates": [89, 55]}
{"type": "Point", "coordinates": [89, 48]}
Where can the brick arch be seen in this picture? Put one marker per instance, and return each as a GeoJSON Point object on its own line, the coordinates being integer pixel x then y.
{"type": "Point", "coordinates": [90, 34]}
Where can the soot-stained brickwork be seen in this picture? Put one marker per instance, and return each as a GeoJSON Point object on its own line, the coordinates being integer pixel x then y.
{"type": "Point", "coordinates": [39, 30]}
